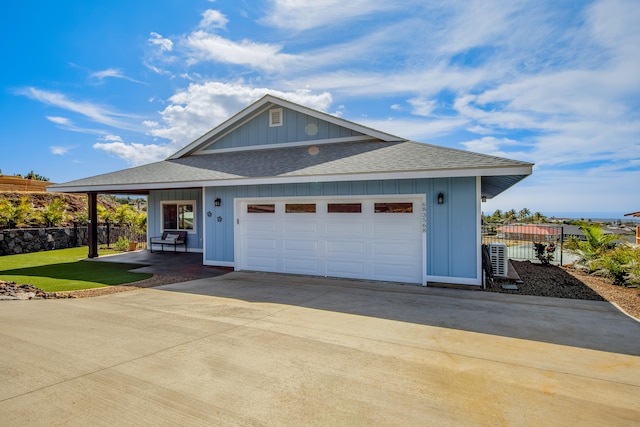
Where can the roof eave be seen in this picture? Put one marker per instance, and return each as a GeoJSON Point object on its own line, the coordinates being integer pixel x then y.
{"type": "Point", "coordinates": [516, 171]}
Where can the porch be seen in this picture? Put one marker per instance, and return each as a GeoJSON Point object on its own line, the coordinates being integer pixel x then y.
{"type": "Point", "coordinates": [166, 263]}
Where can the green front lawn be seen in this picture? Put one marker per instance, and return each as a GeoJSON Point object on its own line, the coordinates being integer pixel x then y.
{"type": "Point", "coordinates": [64, 270]}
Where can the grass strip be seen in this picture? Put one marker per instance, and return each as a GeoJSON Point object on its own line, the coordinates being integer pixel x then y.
{"type": "Point", "coordinates": [65, 270]}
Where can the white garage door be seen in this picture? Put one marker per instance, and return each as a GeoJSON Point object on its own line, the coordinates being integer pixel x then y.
{"type": "Point", "coordinates": [373, 238]}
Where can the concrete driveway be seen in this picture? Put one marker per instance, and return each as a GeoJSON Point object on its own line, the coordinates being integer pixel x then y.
{"type": "Point", "coordinates": [265, 349]}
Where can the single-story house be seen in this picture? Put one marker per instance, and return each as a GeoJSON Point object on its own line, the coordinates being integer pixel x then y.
{"type": "Point", "coordinates": [532, 232]}
{"type": "Point", "coordinates": [280, 187]}
{"type": "Point", "coordinates": [636, 215]}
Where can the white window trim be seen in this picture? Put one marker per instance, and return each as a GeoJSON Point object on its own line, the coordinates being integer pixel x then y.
{"type": "Point", "coordinates": [272, 112]}
{"type": "Point", "coordinates": [179, 202]}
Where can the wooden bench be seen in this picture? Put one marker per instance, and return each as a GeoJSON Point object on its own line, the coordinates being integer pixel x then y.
{"type": "Point", "coordinates": [172, 238]}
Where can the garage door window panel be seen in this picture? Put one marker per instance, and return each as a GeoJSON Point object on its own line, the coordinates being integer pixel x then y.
{"type": "Point", "coordinates": [393, 207]}
{"type": "Point", "coordinates": [344, 208]}
{"type": "Point", "coordinates": [261, 208]}
{"type": "Point", "coordinates": [300, 208]}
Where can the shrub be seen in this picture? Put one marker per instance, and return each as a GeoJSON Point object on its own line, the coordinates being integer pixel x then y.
{"type": "Point", "coordinates": [53, 214]}
{"type": "Point", "coordinates": [15, 215]}
{"type": "Point", "coordinates": [122, 244]}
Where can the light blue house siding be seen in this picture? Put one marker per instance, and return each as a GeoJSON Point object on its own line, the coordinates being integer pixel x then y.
{"type": "Point", "coordinates": [297, 127]}
{"type": "Point", "coordinates": [154, 214]}
{"type": "Point", "coordinates": [452, 246]}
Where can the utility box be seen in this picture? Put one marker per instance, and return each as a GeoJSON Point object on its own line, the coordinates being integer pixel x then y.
{"type": "Point", "coordinates": [499, 259]}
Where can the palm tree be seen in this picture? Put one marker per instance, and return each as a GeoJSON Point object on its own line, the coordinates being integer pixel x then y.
{"type": "Point", "coordinates": [524, 214]}
{"type": "Point", "coordinates": [510, 216]}
{"type": "Point", "coordinates": [539, 218]}
{"type": "Point", "coordinates": [594, 247]}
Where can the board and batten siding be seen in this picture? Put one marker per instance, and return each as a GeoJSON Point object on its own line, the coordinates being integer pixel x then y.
{"type": "Point", "coordinates": [297, 127]}
{"type": "Point", "coordinates": [452, 244]}
{"type": "Point", "coordinates": [154, 214]}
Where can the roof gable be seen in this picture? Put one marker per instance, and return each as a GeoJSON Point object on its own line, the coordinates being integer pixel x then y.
{"type": "Point", "coordinates": [296, 127]}
{"type": "Point", "coordinates": [251, 128]}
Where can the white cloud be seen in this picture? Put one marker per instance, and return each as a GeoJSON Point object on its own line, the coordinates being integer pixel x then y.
{"type": "Point", "coordinates": [59, 150]}
{"type": "Point", "coordinates": [134, 153]}
{"type": "Point", "coordinates": [162, 43]}
{"type": "Point", "coordinates": [205, 46]}
{"type": "Point", "coordinates": [422, 107]}
{"type": "Point", "coordinates": [112, 73]}
{"type": "Point", "coordinates": [67, 124]}
{"type": "Point", "coordinates": [59, 120]}
{"type": "Point", "coordinates": [92, 111]}
{"type": "Point", "coordinates": [213, 19]}
{"type": "Point", "coordinates": [303, 15]}
{"type": "Point", "coordinates": [201, 107]}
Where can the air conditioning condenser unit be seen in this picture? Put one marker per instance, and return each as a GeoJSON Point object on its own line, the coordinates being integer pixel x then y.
{"type": "Point", "coordinates": [499, 259]}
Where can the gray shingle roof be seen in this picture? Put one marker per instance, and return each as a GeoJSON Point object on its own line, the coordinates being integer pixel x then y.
{"type": "Point", "coordinates": [340, 159]}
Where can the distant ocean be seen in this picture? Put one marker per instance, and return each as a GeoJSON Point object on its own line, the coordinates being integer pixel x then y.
{"type": "Point", "coordinates": [594, 216]}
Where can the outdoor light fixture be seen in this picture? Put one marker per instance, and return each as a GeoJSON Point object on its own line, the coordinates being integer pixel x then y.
{"type": "Point", "coordinates": [483, 198]}
{"type": "Point", "coordinates": [440, 198]}
{"type": "Point", "coordinates": [217, 202]}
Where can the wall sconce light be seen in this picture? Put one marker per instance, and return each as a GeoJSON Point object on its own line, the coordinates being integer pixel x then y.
{"type": "Point", "coordinates": [483, 198]}
{"type": "Point", "coordinates": [217, 202]}
{"type": "Point", "coordinates": [440, 198]}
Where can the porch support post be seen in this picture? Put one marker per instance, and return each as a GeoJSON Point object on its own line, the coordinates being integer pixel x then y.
{"type": "Point", "coordinates": [93, 224]}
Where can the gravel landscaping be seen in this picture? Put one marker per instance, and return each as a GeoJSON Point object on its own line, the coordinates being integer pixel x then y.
{"type": "Point", "coordinates": [565, 282]}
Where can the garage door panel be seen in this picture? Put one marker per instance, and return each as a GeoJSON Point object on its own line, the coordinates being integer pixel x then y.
{"type": "Point", "coordinates": [261, 262]}
{"type": "Point", "coordinates": [396, 250]}
{"type": "Point", "coordinates": [269, 243]}
{"type": "Point", "coordinates": [347, 227]}
{"type": "Point", "coordinates": [301, 265]}
{"type": "Point", "coordinates": [345, 247]}
{"type": "Point", "coordinates": [308, 226]}
{"type": "Point", "coordinates": [340, 268]}
{"type": "Point", "coordinates": [301, 245]}
{"type": "Point", "coordinates": [400, 228]}
{"type": "Point", "coordinates": [364, 245]}
{"type": "Point", "coordinates": [261, 226]}
{"type": "Point", "coordinates": [396, 272]}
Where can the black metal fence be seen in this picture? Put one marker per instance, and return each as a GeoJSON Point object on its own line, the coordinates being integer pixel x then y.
{"type": "Point", "coordinates": [528, 241]}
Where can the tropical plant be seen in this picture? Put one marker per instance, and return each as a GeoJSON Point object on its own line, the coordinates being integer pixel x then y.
{"type": "Point", "coordinates": [124, 215]}
{"type": "Point", "coordinates": [510, 216]}
{"type": "Point", "coordinates": [539, 218]}
{"type": "Point", "coordinates": [35, 177]}
{"type": "Point", "coordinates": [53, 214]}
{"type": "Point", "coordinates": [524, 215]}
{"type": "Point", "coordinates": [15, 215]}
{"type": "Point", "coordinates": [597, 243]}
{"type": "Point", "coordinates": [619, 263]}
{"type": "Point", "coordinates": [81, 217]}
{"type": "Point", "coordinates": [122, 244]}
{"type": "Point", "coordinates": [138, 225]}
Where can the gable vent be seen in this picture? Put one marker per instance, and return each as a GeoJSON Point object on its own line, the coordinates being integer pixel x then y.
{"type": "Point", "coordinates": [275, 117]}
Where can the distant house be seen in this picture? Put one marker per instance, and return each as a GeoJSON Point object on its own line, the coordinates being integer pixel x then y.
{"type": "Point", "coordinates": [636, 215]}
{"type": "Point", "coordinates": [529, 232]}
{"type": "Point", "coordinates": [280, 187]}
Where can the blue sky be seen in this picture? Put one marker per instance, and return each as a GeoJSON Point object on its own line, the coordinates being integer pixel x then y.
{"type": "Point", "coordinates": [97, 86]}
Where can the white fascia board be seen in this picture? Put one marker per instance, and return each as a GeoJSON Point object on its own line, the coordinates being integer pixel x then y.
{"type": "Point", "coordinates": [265, 103]}
{"type": "Point", "coordinates": [224, 128]}
{"type": "Point", "coordinates": [517, 170]}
